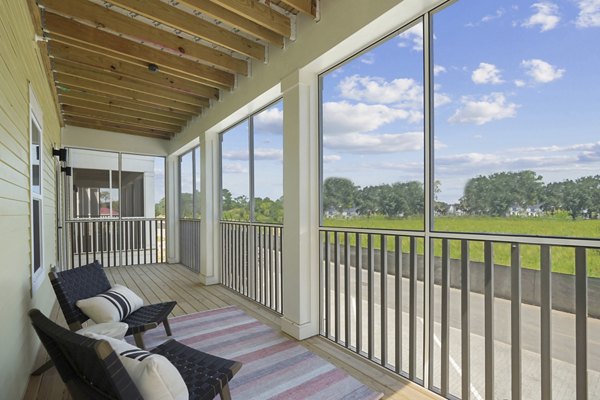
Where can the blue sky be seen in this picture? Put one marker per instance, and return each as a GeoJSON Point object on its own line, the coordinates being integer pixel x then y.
{"type": "Point", "coordinates": [268, 155]}
{"type": "Point", "coordinates": [517, 87]}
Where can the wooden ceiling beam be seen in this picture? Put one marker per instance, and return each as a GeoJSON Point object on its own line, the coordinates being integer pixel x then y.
{"type": "Point", "coordinates": [222, 14]}
{"type": "Point", "coordinates": [104, 18]}
{"type": "Point", "coordinates": [101, 125]}
{"type": "Point", "coordinates": [308, 7]}
{"type": "Point", "coordinates": [73, 101]}
{"type": "Point", "coordinates": [74, 111]}
{"type": "Point", "coordinates": [164, 13]}
{"type": "Point", "coordinates": [108, 63]}
{"type": "Point", "coordinates": [260, 14]}
{"type": "Point", "coordinates": [117, 80]}
{"type": "Point", "coordinates": [107, 99]}
{"type": "Point", "coordinates": [89, 37]}
{"type": "Point", "coordinates": [125, 93]}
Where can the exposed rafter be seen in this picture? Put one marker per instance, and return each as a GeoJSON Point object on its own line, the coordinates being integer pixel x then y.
{"type": "Point", "coordinates": [146, 67]}
{"type": "Point", "coordinates": [158, 11]}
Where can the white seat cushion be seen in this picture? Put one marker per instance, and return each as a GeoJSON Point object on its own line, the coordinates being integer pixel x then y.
{"type": "Point", "coordinates": [154, 375]}
{"type": "Point", "coordinates": [114, 305]}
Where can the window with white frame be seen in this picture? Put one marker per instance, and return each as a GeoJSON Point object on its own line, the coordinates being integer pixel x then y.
{"type": "Point", "coordinates": [36, 178]}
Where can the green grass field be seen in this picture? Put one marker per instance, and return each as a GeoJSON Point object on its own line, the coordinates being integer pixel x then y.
{"type": "Point", "coordinates": [563, 258]}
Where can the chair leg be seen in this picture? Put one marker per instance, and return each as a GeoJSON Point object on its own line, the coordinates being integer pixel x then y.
{"type": "Point", "coordinates": [167, 327]}
{"type": "Point", "coordinates": [224, 393]}
{"type": "Point", "coordinates": [139, 340]}
{"type": "Point", "coordinates": [44, 367]}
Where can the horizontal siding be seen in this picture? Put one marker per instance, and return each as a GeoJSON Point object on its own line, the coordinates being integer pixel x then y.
{"type": "Point", "coordinates": [20, 65]}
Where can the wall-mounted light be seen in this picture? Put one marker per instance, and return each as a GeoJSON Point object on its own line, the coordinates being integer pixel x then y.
{"type": "Point", "coordinates": [67, 170]}
{"type": "Point", "coordinates": [61, 153]}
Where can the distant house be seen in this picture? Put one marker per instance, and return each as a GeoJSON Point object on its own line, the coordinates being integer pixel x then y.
{"type": "Point", "coordinates": [350, 212]}
{"type": "Point", "coordinates": [454, 209]}
{"type": "Point", "coordinates": [528, 211]}
{"type": "Point", "coordinates": [331, 212]}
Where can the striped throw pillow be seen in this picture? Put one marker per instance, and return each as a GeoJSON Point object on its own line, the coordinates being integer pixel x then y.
{"type": "Point", "coordinates": [111, 306]}
{"type": "Point", "coordinates": [154, 375]}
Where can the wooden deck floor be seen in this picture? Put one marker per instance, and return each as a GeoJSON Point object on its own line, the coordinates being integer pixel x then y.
{"type": "Point", "coordinates": [162, 282]}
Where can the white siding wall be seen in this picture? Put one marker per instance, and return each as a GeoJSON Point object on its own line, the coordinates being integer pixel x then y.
{"type": "Point", "coordinates": [20, 65]}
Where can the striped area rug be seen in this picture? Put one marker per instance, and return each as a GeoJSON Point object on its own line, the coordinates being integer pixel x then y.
{"type": "Point", "coordinates": [274, 366]}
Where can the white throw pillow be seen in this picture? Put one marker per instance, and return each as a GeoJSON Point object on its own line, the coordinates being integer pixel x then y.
{"type": "Point", "coordinates": [111, 306]}
{"type": "Point", "coordinates": [154, 375]}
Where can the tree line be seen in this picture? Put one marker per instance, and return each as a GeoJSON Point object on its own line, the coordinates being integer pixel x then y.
{"type": "Point", "coordinates": [496, 194]}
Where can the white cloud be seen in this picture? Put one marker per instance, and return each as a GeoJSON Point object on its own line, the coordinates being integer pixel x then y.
{"type": "Point", "coordinates": [343, 117]}
{"type": "Point", "coordinates": [369, 89]}
{"type": "Point", "coordinates": [412, 36]}
{"type": "Point", "coordinates": [441, 99]}
{"type": "Point", "coordinates": [270, 120]}
{"type": "Point", "coordinates": [541, 71]}
{"type": "Point", "coordinates": [268, 154]}
{"type": "Point", "coordinates": [438, 69]}
{"type": "Point", "coordinates": [589, 13]}
{"type": "Point", "coordinates": [486, 74]}
{"type": "Point", "coordinates": [546, 16]}
{"type": "Point", "coordinates": [519, 83]}
{"type": "Point", "coordinates": [487, 18]}
{"type": "Point", "coordinates": [365, 143]}
{"type": "Point", "coordinates": [368, 59]}
{"type": "Point", "coordinates": [486, 109]}
{"type": "Point", "coordinates": [234, 168]}
{"type": "Point", "coordinates": [236, 155]}
{"type": "Point", "coordinates": [331, 158]}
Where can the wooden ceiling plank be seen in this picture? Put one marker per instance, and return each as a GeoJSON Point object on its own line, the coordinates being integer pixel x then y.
{"type": "Point", "coordinates": [88, 36]}
{"type": "Point", "coordinates": [222, 14]}
{"type": "Point", "coordinates": [109, 116]}
{"type": "Point", "coordinates": [103, 17]}
{"type": "Point", "coordinates": [36, 19]}
{"type": "Point", "coordinates": [123, 93]}
{"type": "Point", "coordinates": [110, 61]}
{"type": "Point", "coordinates": [85, 124]}
{"type": "Point", "coordinates": [164, 13]}
{"type": "Point", "coordinates": [73, 101]}
{"type": "Point", "coordinates": [104, 98]}
{"type": "Point", "coordinates": [95, 121]}
{"type": "Point", "coordinates": [308, 7]}
{"type": "Point", "coordinates": [124, 82]}
{"type": "Point", "coordinates": [260, 14]}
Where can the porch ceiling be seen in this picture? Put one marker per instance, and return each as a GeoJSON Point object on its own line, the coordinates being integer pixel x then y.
{"type": "Point", "coordinates": [146, 67]}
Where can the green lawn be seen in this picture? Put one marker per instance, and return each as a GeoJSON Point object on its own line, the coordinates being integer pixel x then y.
{"type": "Point", "coordinates": [563, 258]}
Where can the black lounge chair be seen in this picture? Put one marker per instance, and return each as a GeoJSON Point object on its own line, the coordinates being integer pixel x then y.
{"type": "Point", "coordinates": [90, 280]}
{"type": "Point", "coordinates": [92, 370]}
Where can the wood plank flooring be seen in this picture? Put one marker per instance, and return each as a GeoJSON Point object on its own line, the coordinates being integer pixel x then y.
{"type": "Point", "coordinates": [162, 282]}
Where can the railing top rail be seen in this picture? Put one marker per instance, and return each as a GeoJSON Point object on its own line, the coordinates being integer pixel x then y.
{"type": "Point", "coordinates": [250, 223]}
{"type": "Point", "coordinates": [478, 237]}
{"type": "Point", "coordinates": [190, 219]}
{"type": "Point", "coordinates": [116, 219]}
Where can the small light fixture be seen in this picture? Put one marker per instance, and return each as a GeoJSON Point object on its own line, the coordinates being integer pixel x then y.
{"type": "Point", "coordinates": [61, 153]}
{"type": "Point", "coordinates": [152, 67]}
{"type": "Point", "coordinates": [67, 170]}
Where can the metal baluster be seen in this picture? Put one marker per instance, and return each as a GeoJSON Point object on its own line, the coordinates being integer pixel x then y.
{"type": "Point", "coordinates": [412, 326]}
{"type": "Point", "coordinates": [465, 303]}
{"type": "Point", "coordinates": [515, 265]}
{"type": "Point", "coordinates": [445, 348]}
{"type": "Point", "coordinates": [327, 287]}
{"type": "Point", "coordinates": [336, 285]}
{"type": "Point", "coordinates": [383, 275]}
{"type": "Point", "coordinates": [347, 289]}
{"type": "Point", "coordinates": [489, 318]}
{"type": "Point", "coordinates": [581, 315]}
{"type": "Point", "coordinates": [371, 297]}
{"type": "Point", "coordinates": [398, 302]}
{"type": "Point", "coordinates": [277, 267]}
{"type": "Point", "coordinates": [546, 321]}
{"type": "Point", "coordinates": [87, 246]}
{"type": "Point", "coordinates": [358, 293]}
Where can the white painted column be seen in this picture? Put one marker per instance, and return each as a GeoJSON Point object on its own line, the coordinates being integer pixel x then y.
{"type": "Point", "coordinates": [300, 192]}
{"type": "Point", "coordinates": [210, 173]}
{"type": "Point", "coordinates": [172, 208]}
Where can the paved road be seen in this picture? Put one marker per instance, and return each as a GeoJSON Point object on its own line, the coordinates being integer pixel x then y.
{"type": "Point", "coordinates": [563, 346]}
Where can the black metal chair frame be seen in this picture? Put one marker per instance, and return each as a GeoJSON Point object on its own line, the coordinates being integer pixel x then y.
{"type": "Point", "coordinates": [92, 370]}
{"type": "Point", "coordinates": [90, 280]}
